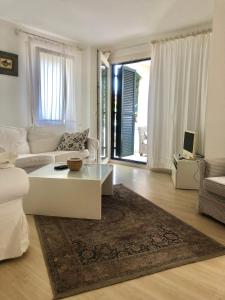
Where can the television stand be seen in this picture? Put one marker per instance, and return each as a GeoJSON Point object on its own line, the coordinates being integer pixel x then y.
{"type": "Point", "coordinates": [185, 173]}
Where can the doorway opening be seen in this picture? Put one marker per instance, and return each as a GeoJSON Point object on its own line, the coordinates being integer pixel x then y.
{"type": "Point", "coordinates": [130, 85]}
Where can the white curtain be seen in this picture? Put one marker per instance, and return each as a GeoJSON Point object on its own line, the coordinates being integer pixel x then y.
{"type": "Point", "coordinates": [177, 96]}
{"type": "Point", "coordinates": [54, 83]}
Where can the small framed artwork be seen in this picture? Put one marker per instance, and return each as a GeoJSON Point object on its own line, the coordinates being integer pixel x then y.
{"type": "Point", "coordinates": [8, 63]}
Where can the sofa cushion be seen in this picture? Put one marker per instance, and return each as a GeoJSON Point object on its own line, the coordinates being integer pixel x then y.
{"type": "Point", "coordinates": [73, 141]}
{"type": "Point", "coordinates": [14, 139]}
{"type": "Point", "coordinates": [215, 185]}
{"type": "Point", "coordinates": [33, 160]}
{"type": "Point", "coordinates": [44, 139]}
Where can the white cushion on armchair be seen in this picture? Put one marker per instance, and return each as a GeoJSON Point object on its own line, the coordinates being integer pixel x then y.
{"type": "Point", "coordinates": [14, 240]}
{"type": "Point", "coordinates": [13, 184]}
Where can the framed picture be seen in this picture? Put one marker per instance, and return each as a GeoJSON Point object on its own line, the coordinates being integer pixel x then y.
{"type": "Point", "coordinates": [8, 63]}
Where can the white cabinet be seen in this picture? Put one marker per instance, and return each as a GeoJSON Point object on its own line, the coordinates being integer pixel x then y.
{"type": "Point", "coordinates": [186, 173]}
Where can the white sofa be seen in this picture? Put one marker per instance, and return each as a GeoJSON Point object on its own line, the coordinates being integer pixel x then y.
{"type": "Point", "coordinates": [14, 240]}
{"type": "Point", "coordinates": [36, 146]}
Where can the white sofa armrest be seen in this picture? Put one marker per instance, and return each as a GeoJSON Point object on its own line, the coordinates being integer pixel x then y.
{"type": "Point", "coordinates": [93, 145]}
{"type": "Point", "coordinates": [14, 184]}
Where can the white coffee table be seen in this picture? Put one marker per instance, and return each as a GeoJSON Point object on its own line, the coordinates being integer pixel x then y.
{"type": "Point", "coordinates": [68, 194]}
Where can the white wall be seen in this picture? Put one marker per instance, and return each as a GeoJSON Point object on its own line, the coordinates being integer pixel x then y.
{"type": "Point", "coordinates": [131, 53]}
{"type": "Point", "coordinates": [141, 47]}
{"type": "Point", "coordinates": [13, 102]}
{"type": "Point", "coordinates": [215, 114]}
{"type": "Point", "coordinates": [89, 91]}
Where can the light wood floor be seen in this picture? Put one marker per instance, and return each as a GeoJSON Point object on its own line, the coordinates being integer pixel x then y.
{"type": "Point", "coordinates": [26, 278]}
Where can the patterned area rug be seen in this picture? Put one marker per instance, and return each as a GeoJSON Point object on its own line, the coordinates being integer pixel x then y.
{"type": "Point", "coordinates": [134, 238]}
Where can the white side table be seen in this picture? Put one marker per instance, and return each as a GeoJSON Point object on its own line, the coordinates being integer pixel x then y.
{"type": "Point", "coordinates": [186, 173]}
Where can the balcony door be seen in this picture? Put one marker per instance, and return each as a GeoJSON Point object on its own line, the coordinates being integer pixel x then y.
{"type": "Point", "coordinates": [130, 83]}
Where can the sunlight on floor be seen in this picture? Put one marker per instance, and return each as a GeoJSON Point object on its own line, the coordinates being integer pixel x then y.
{"type": "Point", "coordinates": [136, 157]}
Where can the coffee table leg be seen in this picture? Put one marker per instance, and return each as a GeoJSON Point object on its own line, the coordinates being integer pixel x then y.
{"type": "Point", "coordinates": [107, 186]}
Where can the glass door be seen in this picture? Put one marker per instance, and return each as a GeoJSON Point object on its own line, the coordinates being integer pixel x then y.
{"type": "Point", "coordinates": [103, 107]}
{"type": "Point", "coordinates": [130, 84]}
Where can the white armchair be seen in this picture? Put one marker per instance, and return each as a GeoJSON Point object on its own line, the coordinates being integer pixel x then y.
{"type": "Point", "coordinates": [14, 185]}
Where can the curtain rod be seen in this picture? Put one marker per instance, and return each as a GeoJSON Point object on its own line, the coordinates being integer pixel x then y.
{"type": "Point", "coordinates": [181, 36]}
{"type": "Point", "coordinates": [47, 39]}
{"type": "Point", "coordinates": [153, 41]}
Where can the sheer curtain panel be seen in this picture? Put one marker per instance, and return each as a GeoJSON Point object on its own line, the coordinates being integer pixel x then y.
{"type": "Point", "coordinates": [177, 96]}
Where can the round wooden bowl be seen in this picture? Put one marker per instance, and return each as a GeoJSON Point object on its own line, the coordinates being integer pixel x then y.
{"type": "Point", "coordinates": [74, 164]}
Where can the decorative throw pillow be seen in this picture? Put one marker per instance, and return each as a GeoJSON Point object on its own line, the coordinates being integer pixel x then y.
{"type": "Point", "coordinates": [73, 141]}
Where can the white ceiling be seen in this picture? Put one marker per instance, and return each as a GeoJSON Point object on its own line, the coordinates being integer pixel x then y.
{"type": "Point", "coordinates": [106, 22]}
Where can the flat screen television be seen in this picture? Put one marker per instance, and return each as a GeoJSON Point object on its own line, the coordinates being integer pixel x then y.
{"type": "Point", "coordinates": [189, 146]}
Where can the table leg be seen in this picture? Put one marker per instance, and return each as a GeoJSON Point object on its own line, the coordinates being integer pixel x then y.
{"type": "Point", "coordinates": [107, 186]}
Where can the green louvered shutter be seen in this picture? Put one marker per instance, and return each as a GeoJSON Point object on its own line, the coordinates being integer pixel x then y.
{"type": "Point", "coordinates": [128, 111]}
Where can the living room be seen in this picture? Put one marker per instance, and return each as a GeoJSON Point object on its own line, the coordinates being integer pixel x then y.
{"type": "Point", "coordinates": [88, 208]}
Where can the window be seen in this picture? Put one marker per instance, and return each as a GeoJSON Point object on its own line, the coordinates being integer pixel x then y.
{"type": "Point", "coordinates": [54, 86]}
{"type": "Point", "coordinates": [54, 83]}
